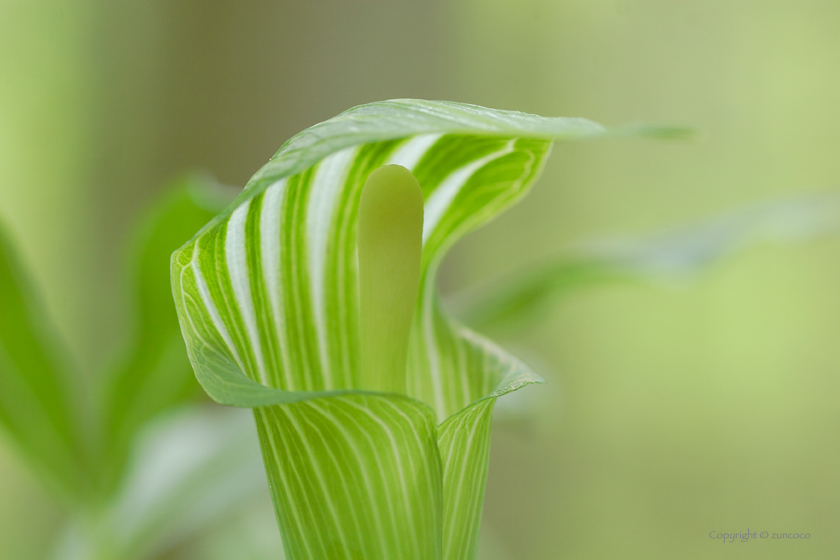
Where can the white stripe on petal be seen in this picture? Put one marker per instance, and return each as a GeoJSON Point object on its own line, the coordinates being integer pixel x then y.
{"type": "Point", "coordinates": [409, 154]}
{"type": "Point", "coordinates": [442, 197]}
{"type": "Point", "coordinates": [270, 253]}
{"type": "Point", "coordinates": [207, 300]}
{"type": "Point", "coordinates": [326, 186]}
{"type": "Point", "coordinates": [237, 264]}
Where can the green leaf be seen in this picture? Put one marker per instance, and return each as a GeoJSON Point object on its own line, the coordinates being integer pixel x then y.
{"type": "Point", "coordinates": [268, 298]}
{"type": "Point", "coordinates": [154, 374]}
{"type": "Point", "coordinates": [36, 396]}
{"type": "Point", "coordinates": [191, 471]}
{"type": "Point", "coordinates": [674, 254]}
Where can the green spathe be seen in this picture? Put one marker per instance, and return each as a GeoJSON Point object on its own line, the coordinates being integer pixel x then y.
{"type": "Point", "coordinates": [268, 295]}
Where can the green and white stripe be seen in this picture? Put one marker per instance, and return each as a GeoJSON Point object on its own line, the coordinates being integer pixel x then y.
{"type": "Point", "coordinates": [267, 295]}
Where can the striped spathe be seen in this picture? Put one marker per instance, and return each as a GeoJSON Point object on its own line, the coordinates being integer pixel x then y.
{"type": "Point", "coordinates": [267, 296]}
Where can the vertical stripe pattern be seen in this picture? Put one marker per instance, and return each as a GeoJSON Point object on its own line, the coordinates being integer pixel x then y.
{"type": "Point", "coordinates": [269, 296]}
{"type": "Point", "coordinates": [354, 477]}
{"type": "Point", "coordinates": [464, 441]}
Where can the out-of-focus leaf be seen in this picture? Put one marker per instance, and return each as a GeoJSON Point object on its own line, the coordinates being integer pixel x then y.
{"type": "Point", "coordinates": [666, 256]}
{"type": "Point", "coordinates": [155, 373]}
{"type": "Point", "coordinates": [191, 471]}
{"type": "Point", "coordinates": [267, 295]}
{"type": "Point", "coordinates": [37, 399]}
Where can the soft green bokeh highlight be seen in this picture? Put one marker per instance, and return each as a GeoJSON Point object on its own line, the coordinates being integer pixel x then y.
{"type": "Point", "coordinates": [669, 412]}
{"type": "Point", "coordinates": [45, 126]}
{"type": "Point", "coordinates": [45, 112]}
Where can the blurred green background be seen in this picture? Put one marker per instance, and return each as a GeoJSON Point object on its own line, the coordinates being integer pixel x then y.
{"type": "Point", "coordinates": [670, 411]}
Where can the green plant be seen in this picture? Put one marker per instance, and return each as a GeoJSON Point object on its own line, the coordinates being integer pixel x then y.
{"type": "Point", "coordinates": [81, 446]}
{"type": "Point", "coordinates": [110, 459]}
{"type": "Point", "coordinates": [374, 424]}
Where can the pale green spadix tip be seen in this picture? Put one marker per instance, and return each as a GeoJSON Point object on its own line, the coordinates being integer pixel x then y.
{"type": "Point", "coordinates": [390, 241]}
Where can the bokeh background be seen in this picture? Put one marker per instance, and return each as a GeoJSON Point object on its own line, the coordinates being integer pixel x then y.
{"type": "Point", "coordinates": [670, 411]}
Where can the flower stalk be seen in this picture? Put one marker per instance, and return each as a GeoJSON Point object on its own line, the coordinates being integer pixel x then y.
{"type": "Point", "coordinates": [390, 241]}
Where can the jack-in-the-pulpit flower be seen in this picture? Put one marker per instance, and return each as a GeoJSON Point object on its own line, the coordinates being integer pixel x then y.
{"type": "Point", "coordinates": [373, 412]}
